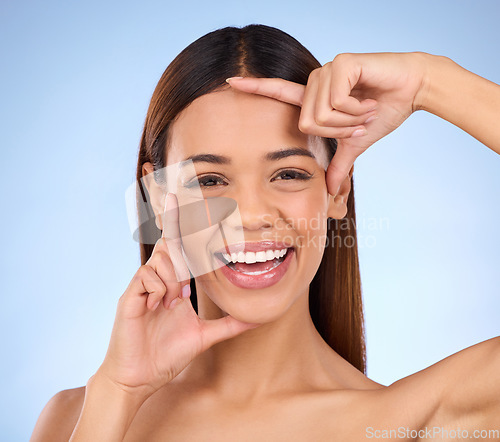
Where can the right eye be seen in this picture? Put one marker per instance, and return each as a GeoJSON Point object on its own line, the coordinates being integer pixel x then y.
{"type": "Point", "coordinates": [205, 181]}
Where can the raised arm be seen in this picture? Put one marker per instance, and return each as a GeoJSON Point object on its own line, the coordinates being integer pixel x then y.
{"type": "Point", "coordinates": [463, 98]}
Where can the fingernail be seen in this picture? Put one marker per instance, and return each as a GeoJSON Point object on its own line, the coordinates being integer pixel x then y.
{"type": "Point", "coordinates": [373, 117]}
{"type": "Point", "coordinates": [156, 305]}
{"type": "Point", "coordinates": [186, 291]}
{"type": "Point", "coordinates": [359, 133]}
{"type": "Point", "coordinates": [233, 78]}
{"type": "Point", "coordinates": [174, 303]}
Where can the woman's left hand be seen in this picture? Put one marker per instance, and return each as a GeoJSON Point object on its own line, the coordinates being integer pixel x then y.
{"type": "Point", "coordinates": [356, 98]}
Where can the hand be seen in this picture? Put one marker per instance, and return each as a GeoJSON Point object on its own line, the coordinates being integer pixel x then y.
{"type": "Point", "coordinates": [157, 333]}
{"type": "Point", "coordinates": [383, 88]}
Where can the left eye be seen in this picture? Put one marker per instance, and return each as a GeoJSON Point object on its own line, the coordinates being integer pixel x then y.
{"type": "Point", "coordinates": [293, 174]}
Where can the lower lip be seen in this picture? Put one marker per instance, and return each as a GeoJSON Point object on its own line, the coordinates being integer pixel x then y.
{"type": "Point", "coordinates": [262, 281]}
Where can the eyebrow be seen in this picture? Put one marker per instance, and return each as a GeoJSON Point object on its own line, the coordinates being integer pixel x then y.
{"type": "Point", "coordinates": [270, 156]}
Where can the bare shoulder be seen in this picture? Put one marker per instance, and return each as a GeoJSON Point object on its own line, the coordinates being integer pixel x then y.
{"type": "Point", "coordinates": [59, 416]}
{"type": "Point", "coordinates": [461, 390]}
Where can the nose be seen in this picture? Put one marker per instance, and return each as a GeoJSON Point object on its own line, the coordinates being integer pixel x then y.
{"type": "Point", "coordinates": [257, 210]}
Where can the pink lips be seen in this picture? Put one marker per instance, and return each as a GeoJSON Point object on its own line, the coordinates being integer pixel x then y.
{"type": "Point", "coordinates": [263, 280]}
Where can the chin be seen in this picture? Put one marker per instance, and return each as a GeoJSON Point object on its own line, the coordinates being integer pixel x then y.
{"type": "Point", "coordinates": [254, 309]}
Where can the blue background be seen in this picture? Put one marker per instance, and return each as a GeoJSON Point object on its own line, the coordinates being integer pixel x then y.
{"type": "Point", "coordinates": [76, 80]}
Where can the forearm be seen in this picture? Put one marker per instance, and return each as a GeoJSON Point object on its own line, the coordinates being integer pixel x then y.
{"type": "Point", "coordinates": [463, 98]}
{"type": "Point", "coordinates": [107, 412]}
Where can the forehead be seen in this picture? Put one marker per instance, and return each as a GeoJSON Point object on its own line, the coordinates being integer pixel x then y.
{"type": "Point", "coordinates": [232, 121]}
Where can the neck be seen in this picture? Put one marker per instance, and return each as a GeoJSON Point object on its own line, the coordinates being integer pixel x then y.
{"type": "Point", "coordinates": [284, 356]}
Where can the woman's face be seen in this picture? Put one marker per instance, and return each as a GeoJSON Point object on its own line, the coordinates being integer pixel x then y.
{"type": "Point", "coordinates": [282, 199]}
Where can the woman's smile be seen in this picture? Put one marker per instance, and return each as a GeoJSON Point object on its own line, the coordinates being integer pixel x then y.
{"type": "Point", "coordinates": [258, 275]}
{"type": "Point", "coordinates": [255, 265]}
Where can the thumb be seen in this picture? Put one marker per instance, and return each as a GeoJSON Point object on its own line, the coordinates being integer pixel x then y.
{"type": "Point", "coordinates": [217, 330]}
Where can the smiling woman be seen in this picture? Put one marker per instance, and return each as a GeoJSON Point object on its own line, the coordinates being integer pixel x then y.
{"type": "Point", "coordinates": [194, 110]}
{"type": "Point", "coordinates": [266, 342]}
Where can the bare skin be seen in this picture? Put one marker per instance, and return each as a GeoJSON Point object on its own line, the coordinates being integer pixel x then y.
{"type": "Point", "coordinates": [280, 380]}
{"type": "Point", "coordinates": [424, 400]}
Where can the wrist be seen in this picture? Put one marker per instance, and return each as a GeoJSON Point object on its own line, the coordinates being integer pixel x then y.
{"type": "Point", "coordinates": [107, 411]}
{"type": "Point", "coordinates": [134, 395]}
{"type": "Point", "coordinates": [431, 66]}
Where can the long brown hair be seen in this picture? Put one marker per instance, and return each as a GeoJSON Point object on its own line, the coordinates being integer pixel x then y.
{"type": "Point", "coordinates": [335, 300]}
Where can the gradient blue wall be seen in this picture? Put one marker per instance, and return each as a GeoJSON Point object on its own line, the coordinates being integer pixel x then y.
{"type": "Point", "coordinates": [76, 79]}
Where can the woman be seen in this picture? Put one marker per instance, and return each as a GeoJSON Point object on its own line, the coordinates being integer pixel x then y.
{"type": "Point", "coordinates": [272, 350]}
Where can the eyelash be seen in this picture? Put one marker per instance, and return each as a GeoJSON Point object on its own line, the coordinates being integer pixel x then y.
{"type": "Point", "coordinates": [298, 175]}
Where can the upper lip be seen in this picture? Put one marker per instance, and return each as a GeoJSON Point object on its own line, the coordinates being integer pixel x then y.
{"type": "Point", "coordinates": [253, 247]}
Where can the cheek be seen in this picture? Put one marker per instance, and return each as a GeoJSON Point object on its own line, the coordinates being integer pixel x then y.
{"type": "Point", "coordinates": [306, 214]}
{"type": "Point", "coordinates": [306, 227]}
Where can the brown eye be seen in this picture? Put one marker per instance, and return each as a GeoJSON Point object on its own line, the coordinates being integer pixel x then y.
{"type": "Point", "coordinates": [292, 175]}
{"type": "Point", "coordinates": [205, 181]}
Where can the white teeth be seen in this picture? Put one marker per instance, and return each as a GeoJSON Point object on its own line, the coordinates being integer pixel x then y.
{"type": "Point", "coordinates": [260, 256]}
{"type": "Point", "coordinates": [252, 257]}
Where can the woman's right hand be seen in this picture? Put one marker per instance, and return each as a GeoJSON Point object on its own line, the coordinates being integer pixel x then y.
{"type": "Point", "coordinates": [157, 332]}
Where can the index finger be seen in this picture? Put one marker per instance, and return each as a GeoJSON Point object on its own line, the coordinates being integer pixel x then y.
{"type": "Point", "coordinates": [277, 88]}
{"type": "Point", "coordinates": [172, 237]}
{"type": "Point", "coordinates": [170, 219]}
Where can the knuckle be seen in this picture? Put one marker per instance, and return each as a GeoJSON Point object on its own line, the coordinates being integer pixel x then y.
{"type": "Point", "coordinates": [304, 125]}
{"type": "Point", "coordinates": [314, 74]}
{"type": "Point", "coordinates": [342, 57]}
{"type": "Point", "coordinates": [322, 118]}
{"type": "Point", "coordinates": [145, 273]}
{"type": "Point", "coordinates": [162, 289]}
{"type": "Point", "coordinates": [163, 256]}
{"type": "Point", "coordinates": [141, 272]}
{"type": "Point", "coordinates": [337, 102]}
{"type": "Point", "coordinates": [146, 270]}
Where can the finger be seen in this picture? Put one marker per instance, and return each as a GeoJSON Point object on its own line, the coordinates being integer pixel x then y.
{"type": "Point", "coordinates": [217, 330]}
{"type": "Point", "coordinates": [162, 264]}
{"type": "Point", "coordinates": [172, 236]}
{"type": "Point", "coordinates": [339, 168]}
{"type": "Point", "coordinates": [306, 118]}
{"type": "Point", "coordinates": [277, 88]}
{"type": "Point", "coordinates": [324, 114]}
{"type": "Point", "coordinates": [307, 122]}
{"type": "Point", "coordinates": [145, 282]}
{"type": "Point", "coordinates": [345, 74]}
